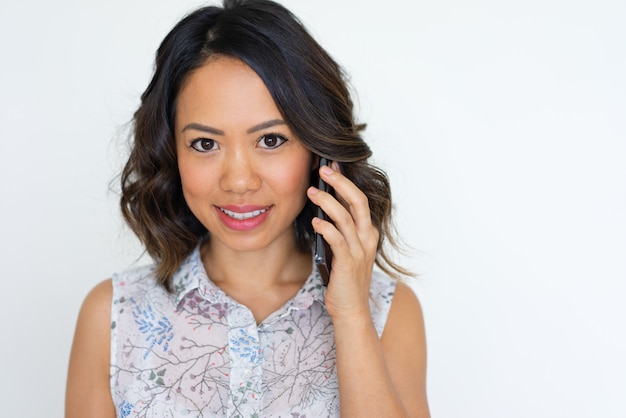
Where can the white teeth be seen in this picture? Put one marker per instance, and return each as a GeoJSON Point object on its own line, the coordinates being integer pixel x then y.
{"type": "Point", "coordinates": [241, 216]}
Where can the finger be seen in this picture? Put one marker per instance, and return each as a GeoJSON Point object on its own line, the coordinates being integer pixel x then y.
{"type": "Point", "coordinates": [355, 200]}
{"type": "Point", "coordinates": [342, 219]}
{"type": "Point", "coordinates": [335, 239]}
{"type": "Point", "coordinates": [361, 242]}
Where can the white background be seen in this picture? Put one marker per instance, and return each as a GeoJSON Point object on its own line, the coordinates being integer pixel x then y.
{"type": "Point", "coordinates": [502, 125]}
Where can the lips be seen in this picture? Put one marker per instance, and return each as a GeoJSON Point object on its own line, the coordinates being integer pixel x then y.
{"type": "Point", "coordinates": [243, 215]}
{"type": "Point", "coordinates": [243, 218]}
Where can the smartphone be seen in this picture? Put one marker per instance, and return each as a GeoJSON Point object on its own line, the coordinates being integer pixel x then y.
{"type": "Point", "coordinates": [323, 255]}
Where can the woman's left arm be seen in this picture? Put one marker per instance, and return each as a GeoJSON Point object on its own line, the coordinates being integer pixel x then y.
{"type": "Point", "coordinates": [381, 377]}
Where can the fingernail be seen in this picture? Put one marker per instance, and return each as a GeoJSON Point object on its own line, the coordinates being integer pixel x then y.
{"type": "Point", "coordinates": [312, 190]}
{"type": "Point", "coordinates": [326, 170]}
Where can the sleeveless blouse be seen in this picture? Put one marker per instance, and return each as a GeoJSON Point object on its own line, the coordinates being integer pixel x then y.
{"type": "Point", "coordinates": [196, 352]}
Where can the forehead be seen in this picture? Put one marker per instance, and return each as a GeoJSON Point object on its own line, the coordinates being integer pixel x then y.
{"type": "Point", "coordinates": [225, 89]}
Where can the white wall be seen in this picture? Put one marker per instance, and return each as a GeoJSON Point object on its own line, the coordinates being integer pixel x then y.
{"type": "Point", "coordinates": [501, 124]}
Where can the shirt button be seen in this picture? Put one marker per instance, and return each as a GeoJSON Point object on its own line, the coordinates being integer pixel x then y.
{"type": "Point", "coordinates": [247, 373]}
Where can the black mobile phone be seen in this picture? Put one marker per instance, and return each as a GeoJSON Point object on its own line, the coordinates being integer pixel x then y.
{"type": "Point", "coordinates": [323, 255]}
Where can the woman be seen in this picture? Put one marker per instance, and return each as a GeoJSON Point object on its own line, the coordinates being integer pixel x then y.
{"type": "Point", "coordinates": [233, 318]}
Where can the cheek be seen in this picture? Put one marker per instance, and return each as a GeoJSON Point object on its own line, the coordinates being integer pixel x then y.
{"type": "Point", "coordinates": [192, 182]}
{"type": "Point", "coordinates": [295, 178]}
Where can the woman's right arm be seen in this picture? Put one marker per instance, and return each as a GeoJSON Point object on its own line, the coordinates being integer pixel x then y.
{"type": "Point", "coordinates": [88, 391]}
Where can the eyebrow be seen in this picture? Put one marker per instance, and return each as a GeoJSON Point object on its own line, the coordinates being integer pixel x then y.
{"type": "Point", "coordinates": [202, 128]}
{"type": "Point", "coordinates": [215, 131]}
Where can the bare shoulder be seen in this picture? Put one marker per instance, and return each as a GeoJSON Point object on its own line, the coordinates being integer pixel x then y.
{"type": "Point", "coordinates": [94, 318]}
{"type": "Point", "coordinates": [404, 347]}
{"type": "Point", "coordinates": [405, 302]}
{"type": "Point", "coordinates": [99, 298]}
{"type": "Point", "coordinates": [88, 392]}
{"type": "Point", "coordinates": [405, 324]}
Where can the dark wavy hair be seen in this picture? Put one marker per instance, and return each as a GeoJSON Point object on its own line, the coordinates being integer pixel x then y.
{"type": "Point", "coordinates": [310, 91]}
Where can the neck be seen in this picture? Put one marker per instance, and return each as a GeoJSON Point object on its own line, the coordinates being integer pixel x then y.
{"type": "Point", "coordinates": [261, 280]}
{"type": "Point", "coordinates": [279, 266]}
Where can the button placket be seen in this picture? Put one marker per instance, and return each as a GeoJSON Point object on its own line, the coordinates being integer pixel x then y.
{"type": "Point", "coordinates": [245, 358]}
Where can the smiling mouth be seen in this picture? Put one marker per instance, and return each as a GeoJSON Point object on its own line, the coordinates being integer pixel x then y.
{"type": "Point", "coordinates": [240, 216]}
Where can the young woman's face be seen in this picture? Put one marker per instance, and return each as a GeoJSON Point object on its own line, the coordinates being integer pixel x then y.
{"type": "Point", "coordinates": [244, 174]}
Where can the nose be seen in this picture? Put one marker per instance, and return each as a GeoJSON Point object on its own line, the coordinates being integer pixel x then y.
{"type": "Point", "coordinates": [239, 173]}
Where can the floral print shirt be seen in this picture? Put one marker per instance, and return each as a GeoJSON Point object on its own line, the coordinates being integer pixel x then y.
{"type": "Point", "coordinates": [199, 353]}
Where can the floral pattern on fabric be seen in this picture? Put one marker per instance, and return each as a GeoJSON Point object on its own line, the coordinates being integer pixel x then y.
{"type": "Point", "coordinates": [199, 353]}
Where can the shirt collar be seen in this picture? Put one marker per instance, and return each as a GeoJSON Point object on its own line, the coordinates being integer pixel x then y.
{"type": "Point", "coordinates": [191, 276]}
{"type": "Point", "coordinates": [312, 291]}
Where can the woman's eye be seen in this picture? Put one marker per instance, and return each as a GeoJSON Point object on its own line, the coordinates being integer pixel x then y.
{"type": "Point", "coordinates": [272, 141]}
{"type": "Point", "coordinates": [203, 144]}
